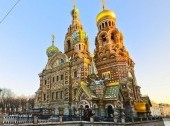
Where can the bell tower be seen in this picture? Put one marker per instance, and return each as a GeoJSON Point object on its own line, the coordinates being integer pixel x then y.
{"type": "Point", "coordinates": [76, 43]}
{"type": "Point", "coordinates": [111, 57]}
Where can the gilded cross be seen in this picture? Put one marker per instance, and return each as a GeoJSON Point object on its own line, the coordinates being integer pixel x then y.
{"type": "Point", "coordinates": [53, 39]}
{"type": "Point", "coordinates": [104, 4]}
{"type": "Point", "coordinates": [74, 3]}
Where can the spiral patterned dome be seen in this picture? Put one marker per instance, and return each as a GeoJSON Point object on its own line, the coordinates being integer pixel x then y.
{"type": "Point", "coordinates": [52, 50]}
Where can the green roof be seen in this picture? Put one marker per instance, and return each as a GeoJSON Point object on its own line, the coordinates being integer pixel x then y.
{"type": "Point", "coordinates": [112, 92]}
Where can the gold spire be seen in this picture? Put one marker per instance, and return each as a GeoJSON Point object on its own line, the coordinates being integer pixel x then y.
{"type": "Point", "coordinates": [104, 4]}
{"type": "Point", "coordinates": [53, 38]}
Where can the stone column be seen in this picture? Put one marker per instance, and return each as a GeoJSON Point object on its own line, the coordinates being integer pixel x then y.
{"type": "Point", "coordinates": [35, 120]}
{"type": "Point", "coordinates": [92, 119]}
{"type": "Point", "coordinates": [122, 117]}
{"type": "Point", "coordinates": [116, 116]}
{"type": "Point", "coordinates": [101, 108]}
{"type": "Point", "coordinates": [61, 119]}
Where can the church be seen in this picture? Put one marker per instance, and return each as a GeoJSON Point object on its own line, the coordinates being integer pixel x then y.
{"type": "Point", "coordinates": [103, 81]}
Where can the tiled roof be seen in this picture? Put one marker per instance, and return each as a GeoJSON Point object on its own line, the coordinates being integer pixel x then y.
{"type": "Point", "coordinates": [88, 91]}
{"type": "Point", "coordinates": [112, 92]}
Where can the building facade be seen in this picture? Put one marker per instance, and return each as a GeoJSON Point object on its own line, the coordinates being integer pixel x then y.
{"type": "Point", "coordinates": [155, 109]}
{"type": "Point", "coordinates": [104, 81]}
{"type": "Point", "coordinates": [165, 110]}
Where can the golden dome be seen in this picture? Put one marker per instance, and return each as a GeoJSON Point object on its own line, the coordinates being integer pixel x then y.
{"type": "Point", "coordinates": [105, 14]}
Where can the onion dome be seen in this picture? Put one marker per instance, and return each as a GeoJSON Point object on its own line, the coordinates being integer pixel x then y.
{"type": "Point", "coordinates": [105, 14]}
{"type": "Point", "coordinates": [52, 49]}
{"type": "Point", "coordinates": [74, 11]}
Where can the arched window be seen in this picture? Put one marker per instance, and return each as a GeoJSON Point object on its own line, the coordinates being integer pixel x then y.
{"type": "Point", "coordinates": [104, 37]}
{"type": "Point", "coordinates": [57, 78]}
{"type": "Point", "coordinates": [102, 25]}
{"type": "Point", "coordinates": [109, 23]}
{"type": "Point", "coordinates": [79, 47]}
{"type": "Point", "coordinates": [69, 45]}
{"type": "Point", "coordinates": [52, 95]}
{"type": "Point", "coordinates": [106, 24]}
{"type": "Point", "coordinates": [53, 79]}
{"type": "Point", "coordinates": [62, 61]}
{"type": "Point", "coordinates": [44, 97]}
{"type": "Point", "coordinates": [75, 74]}
{"type": "Point", "coordinates": [61, 77]}
{"type": "Point", "coordinates": [112, 36]}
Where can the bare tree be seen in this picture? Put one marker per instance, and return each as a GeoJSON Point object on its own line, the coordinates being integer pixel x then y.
{"type": "Point", "coordinates": [11, 104]}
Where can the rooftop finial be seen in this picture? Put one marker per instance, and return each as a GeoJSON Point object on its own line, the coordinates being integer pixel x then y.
{"type": "Point", "coordinates": [74, 3]}
{"type": "Point", "coordinates": [53, 38]}
{"type": "Point", "coordinates": [104, 4]}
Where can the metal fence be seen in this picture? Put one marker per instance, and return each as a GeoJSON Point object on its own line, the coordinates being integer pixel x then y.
{"type": "Point", "coordinates": [30, 120]}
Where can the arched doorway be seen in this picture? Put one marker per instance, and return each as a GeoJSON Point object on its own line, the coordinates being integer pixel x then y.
{"type": "Point", "coordinates": [110, 111]}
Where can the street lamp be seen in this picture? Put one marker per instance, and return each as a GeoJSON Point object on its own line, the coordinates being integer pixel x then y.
{"type": "Point", "coordinates": [81, 112]}
{"type": "Point", "coordinates": [1, 100]}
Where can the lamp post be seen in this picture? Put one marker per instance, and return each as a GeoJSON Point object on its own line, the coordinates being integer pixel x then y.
{"type": "Point", "coordinates": [81, 112]}
{"type": "Point", "coordinates": [1, 115]}
{"type": "Point", "coordinates": [1, 101]}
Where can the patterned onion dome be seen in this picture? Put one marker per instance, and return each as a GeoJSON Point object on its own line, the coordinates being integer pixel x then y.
{"type": "Point", "coordinates": [52, 50]}
{"type": "Point", "coordinates": [75, 11]}
{"type": "Point", "coordinates": [105, 14]}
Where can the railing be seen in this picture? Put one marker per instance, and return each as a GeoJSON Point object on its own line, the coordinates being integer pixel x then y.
{"type": "Point", "coordinates": [29, 120]}
{"type": "Point", "coordinates": [17, 120]}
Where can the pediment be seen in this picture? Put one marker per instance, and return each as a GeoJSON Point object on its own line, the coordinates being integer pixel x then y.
{"type": "Point", "coordinates": [57, 60]}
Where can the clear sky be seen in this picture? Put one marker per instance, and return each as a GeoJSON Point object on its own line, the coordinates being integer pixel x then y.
{"type": "Point", "coordinates": [26, 33]}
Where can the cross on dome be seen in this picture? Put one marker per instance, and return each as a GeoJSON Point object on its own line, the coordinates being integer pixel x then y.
{"type": "Point", "coordinates": [53, 38]}
{"type": "Point", "coordinates": [104, 4]}
{"type": "Point", "coordinates": [74, 3]}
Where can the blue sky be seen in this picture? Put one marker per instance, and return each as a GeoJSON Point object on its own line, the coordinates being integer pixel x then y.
{"type": "Point", "coordinates": [26, 34]}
